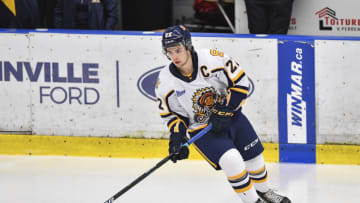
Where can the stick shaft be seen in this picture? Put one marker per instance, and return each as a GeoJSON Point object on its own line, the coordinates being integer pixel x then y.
{"type": "Point", "coordinates": [158, 165]}
{"type": "Point", "coordinates": [140, 178]}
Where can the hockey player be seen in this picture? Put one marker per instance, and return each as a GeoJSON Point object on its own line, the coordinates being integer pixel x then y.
{"type": "Point", "coordinates": [207, 86]}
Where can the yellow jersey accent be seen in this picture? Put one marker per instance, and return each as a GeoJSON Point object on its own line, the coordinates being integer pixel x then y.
{"type": "Point", "coordinates": [239, 90]}
{"type": "Point", "coordinates": [172, 123]}
{"type": "Point", "coordinates": [165, 114]}
{"type": "Point", "coordinates": [238, 76]}
{"type": "Point", "coordinates": [199, 128]}
{"type": "Point", "coordinates": [176, 129]}
{"type": "Point", "coordinates": [10, 4]}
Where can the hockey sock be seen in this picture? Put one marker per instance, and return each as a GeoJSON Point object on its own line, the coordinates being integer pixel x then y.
{"type": "Point", "coordinates": [234, 167]}
{"type": "Point", "coordinates": [258, 173]}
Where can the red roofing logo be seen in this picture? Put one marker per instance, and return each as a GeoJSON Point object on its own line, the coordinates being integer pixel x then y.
{"type": "Point", "coordinates": [327, 12]}
{"type": "Point", "coordinates": [328, 21]}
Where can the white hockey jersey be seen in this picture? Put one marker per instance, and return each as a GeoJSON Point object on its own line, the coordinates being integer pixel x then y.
{"type": "Point", "coordinates": [216, 78]}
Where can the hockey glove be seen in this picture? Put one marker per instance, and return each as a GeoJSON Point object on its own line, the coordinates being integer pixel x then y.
{"type": "Point", "coordinates": [177, 139]}
{"type": "Point", "coordinates": [176, 147]}
{"type": "Point", "coordinates": [220, 117]}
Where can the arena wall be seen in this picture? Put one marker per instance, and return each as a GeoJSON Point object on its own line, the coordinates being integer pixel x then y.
{"type": "Point", "coordinates": [101, 84]}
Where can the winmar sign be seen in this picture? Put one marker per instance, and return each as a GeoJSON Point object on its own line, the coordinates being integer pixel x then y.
{"type": "Point", "coordinates": [329, 22]}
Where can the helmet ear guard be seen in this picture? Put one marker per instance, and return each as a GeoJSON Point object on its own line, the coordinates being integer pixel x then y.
{"type": "Point", "coordinates": [176, 35]}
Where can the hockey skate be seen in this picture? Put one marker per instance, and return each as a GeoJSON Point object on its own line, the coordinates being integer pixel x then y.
{"type": "Point", "coordinates": [271, 197]}
{"type": "Point", "coordinates": [260, 201]}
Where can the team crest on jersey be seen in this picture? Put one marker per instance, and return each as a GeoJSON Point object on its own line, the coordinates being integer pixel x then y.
{"type": "Point", "coordinates": [203, 100]}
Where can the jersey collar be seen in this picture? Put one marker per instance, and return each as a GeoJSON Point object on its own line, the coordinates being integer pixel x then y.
{"type": "Point", "coordinates": [177, 74]}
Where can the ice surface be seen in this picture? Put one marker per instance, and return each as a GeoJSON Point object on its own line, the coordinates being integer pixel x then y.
{"type": "Point", "coordinates": [55, 179]}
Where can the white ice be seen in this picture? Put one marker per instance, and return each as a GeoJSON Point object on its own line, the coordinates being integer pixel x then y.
{"type": "Point", "coordinates": [56, 179]}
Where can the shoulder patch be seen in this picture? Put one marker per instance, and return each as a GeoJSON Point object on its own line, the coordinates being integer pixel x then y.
{"type": "Point", "coordinates": [179, 93]}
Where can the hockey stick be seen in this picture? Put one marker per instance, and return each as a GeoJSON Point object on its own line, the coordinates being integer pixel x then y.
{"type": "Point", "coordinates": [158, 165]}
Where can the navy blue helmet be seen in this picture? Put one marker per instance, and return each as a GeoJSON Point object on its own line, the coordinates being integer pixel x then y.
{"type": "Point", "coordinates": [176, 35]}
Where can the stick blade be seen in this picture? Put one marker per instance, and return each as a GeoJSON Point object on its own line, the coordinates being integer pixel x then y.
{"type": "Point", "coordinates": [111, 200]}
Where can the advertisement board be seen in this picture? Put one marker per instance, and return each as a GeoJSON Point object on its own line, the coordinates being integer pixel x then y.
{"type": "Point", "coordinates": [103, 85]}
{"type": "Point", "coordinates": [296, 100]}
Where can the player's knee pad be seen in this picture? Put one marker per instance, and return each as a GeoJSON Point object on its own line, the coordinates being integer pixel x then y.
{"type": "Point", "coordinates": [232, 162]}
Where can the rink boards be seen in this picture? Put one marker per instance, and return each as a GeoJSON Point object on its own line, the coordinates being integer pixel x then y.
{"type": "Point", "coordinates": [148, 148]}
{"type": "Point", "coordinates": [101, 84]}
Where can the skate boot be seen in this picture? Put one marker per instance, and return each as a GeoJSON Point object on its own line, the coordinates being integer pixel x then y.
{"type": "Point", "coordinates": [260, 201]}
{"type": "Point", "coordinates": [271, 197]}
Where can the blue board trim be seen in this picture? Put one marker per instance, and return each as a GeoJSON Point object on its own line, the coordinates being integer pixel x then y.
{"type": "Point", "coordinates": [297, 153]}
{"type": "Point", "coordinates": [194, 34]}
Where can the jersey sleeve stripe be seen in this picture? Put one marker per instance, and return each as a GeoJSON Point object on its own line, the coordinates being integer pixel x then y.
{"type": "Point", "coordinates": [176, 120]}
{"type": "Point", "coordinates": [167, 100]}
{"type": "Point", "coordinates": [171, 122]}
{"type": "Point", "coordinates": [176, 129]}
{"type": "Point", "coordinates": [236, 97]}
{"type": "Point", "coordinates": [164, 115]}
{"type": "Point", "coordinates": [197, 129]}
{"type": "Point", "coordinates": [242, 87]}
{"type": "Point", "coordinates": [238, 77]}
{"type": "Point", "coordinates": [236, 89]}
{"type": "Point", "coordinates": [174, 125]}
{"type": "Point", "coordinates": [184, 119]}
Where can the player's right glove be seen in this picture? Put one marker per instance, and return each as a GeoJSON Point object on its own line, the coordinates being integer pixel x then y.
{"type": "Point", "coordinates": [177, 139]}
{"type": "Point", "coordinates": [177, 149]}
{"type": "Point", "coordinates": [220, 117]}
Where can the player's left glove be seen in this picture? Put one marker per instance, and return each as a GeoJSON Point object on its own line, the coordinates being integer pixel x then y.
{"type": "Point", "coordinates": [220, 117]}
